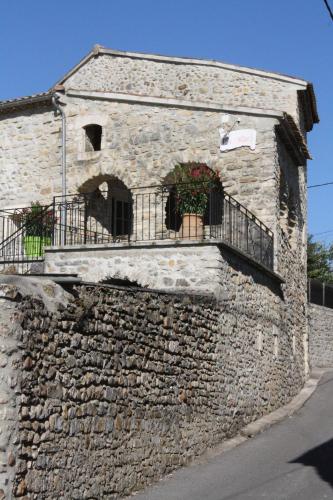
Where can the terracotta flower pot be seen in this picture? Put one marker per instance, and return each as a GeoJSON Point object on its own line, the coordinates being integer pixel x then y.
{"type": "Point", "coordinates": [192, 227]}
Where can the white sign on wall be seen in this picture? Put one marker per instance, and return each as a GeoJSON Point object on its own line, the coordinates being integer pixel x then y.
{"type": "Point", "coordinates": [237, 139]}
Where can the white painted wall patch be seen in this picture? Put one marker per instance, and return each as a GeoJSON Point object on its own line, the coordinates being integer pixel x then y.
{"type": "Point", "coordinates": [237, 139]}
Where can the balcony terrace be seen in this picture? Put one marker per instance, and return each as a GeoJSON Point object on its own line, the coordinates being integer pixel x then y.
{"type": "Point", "coordinates": [145, 215]}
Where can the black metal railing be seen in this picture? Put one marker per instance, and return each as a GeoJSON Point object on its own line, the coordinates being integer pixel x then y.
{"type": "Point", "coordinates": [152, 213]}
{"type": "Point", "coordinates": [137, 215]}
{"type": "Point", "coordinates": [23, 235]}
{"type": "Point", "coordinates": [320, 293]}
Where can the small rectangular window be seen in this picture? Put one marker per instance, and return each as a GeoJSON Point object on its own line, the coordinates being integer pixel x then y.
{"type": "Point", "coordinates": [93, 137]}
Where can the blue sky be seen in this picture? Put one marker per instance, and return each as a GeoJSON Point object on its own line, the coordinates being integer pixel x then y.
{"type": "Point", "coordinates": [42, 40]}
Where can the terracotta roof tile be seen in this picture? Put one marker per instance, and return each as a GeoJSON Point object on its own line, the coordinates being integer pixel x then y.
{"type": "Point", "coordinates": [43, 97]}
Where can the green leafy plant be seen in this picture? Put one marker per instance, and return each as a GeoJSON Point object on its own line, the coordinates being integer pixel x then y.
{"type": "Point", "coordinates": [320, 260]}
{"type": "Point", "coordinates": [37, 220]}
{"type": "Point", "coordinates": [193, 182]}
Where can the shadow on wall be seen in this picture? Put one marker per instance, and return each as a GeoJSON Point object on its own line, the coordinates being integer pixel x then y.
{"type": "Point", "coordinates": [123, 282]}
{"type": "Point", "coordinates": [321, 459]}
{"type": "Point", "coordinates": [241, 266]}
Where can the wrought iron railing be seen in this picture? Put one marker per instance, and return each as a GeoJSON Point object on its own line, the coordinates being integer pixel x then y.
{"type": "Point", "coordinates": [23, 236]}
{"type": "Point", "coordinates": [140, 215]}
{"type": "Point", "coordinates": [152, 213]}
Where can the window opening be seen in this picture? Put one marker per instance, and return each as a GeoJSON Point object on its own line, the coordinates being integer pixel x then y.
{"type": "Point", "coordinates": [93, 137]}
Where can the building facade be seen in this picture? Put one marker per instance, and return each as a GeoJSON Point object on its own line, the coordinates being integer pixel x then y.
{"type": "Point", "coordinates": [130, 118]}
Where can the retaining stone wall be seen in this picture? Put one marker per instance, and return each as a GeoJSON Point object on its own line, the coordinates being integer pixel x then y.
{"type": "Point", "coordinates": [10, 356]}
{"type": "Point", "coordinates": [320, 335]}
{"type": "Point", "coordinates": [13, 363]}
{"type": "Point", "coordinates": [121, 386]}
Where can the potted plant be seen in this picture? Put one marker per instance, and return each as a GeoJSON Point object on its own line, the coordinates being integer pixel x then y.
{"type": "Point", "coordinates": [193, 182]}
{"type": "Point", "coordinates": [37, 224]}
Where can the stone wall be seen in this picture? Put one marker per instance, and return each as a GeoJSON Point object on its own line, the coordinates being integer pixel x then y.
{"type": "Point", "coordinates": [205, 267]}
{"type": "Point", "coordinates": [14, 361]}
{"type": "Point", "coordinates": [117, 387]}
{"type": "Point", "coordinates": [10, 357]}
{"type": "Point", "coordinates": [141, 145]}
{"type": "Point", "coordinates": [187, 266]}
{"type": "Point", "coordinates": [198, 82]}
{"type": "Point", "coordinates": [291, 203]}
{"type": "Point", "coordinates": [30, 157]}
{"type": "Point", "coordinates": [320, 335]}
{"type": "Point", "coordinates": [293, 269]}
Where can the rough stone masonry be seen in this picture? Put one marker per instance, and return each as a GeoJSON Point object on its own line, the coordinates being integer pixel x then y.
{"type": "Point", "coordinates": [320, 335]}
{"type": "Point", "coordinates": [106, 389]}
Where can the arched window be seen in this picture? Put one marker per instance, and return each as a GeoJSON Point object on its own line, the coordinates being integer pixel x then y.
{"type": "Point", "coordinates": [213, 214]}
{"type": "Point", "coordinates": [93, 137]}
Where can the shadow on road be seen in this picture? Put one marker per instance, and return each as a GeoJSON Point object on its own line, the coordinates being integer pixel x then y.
{"type": "Point", "coordinates": [321, 459]}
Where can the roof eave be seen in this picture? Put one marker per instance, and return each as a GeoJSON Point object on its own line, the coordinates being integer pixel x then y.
{"type": "Point", "coordinates": [313, 102]}
{"type": "Point", "coordinates": [44, 99]}
{"type": "Point", "coordinates": [293, 139]}
{"type": "Point", "coordinates": [308, 103]}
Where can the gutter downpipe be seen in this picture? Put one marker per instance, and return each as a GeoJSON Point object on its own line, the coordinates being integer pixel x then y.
{"type": "Point", "coordinates": [59, 109]}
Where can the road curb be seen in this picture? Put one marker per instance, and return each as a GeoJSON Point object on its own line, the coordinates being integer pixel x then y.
{"type": "Point", "coordinates": [289, 409]}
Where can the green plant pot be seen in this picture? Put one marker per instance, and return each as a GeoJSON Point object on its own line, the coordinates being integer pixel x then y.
{"type": "Point", "coordinates": [34, 245]}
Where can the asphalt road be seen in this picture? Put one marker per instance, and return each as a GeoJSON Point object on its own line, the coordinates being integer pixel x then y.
{"type": "Point", "coordinates": [293, 460]}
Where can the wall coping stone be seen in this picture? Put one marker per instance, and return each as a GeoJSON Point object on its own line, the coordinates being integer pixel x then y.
{"type": "Point", "coordinates": [14, 287]}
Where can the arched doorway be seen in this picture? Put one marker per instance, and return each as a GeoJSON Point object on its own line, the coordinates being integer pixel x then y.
{"type": "Point", "coordinates": [108, 208]}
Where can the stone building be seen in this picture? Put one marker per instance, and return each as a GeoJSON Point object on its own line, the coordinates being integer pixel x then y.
{"type": "Point", "coordinates": [130, 118]}
{"type": "Point", "coordinates": [117, 124]}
